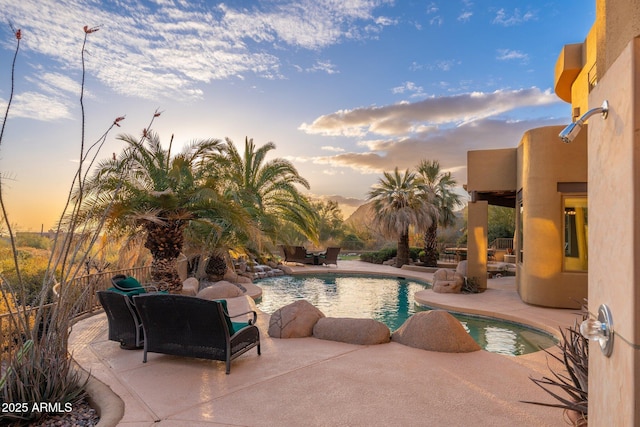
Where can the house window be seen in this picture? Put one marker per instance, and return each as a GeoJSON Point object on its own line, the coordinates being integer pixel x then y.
{"type": "Point", "coordinates": [576, 233]}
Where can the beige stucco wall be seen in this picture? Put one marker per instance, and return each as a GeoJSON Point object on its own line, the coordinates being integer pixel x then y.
{"type": "Point", "coordinates": [491, 170]}
{"type": "Point", "coordinates": [544, 161]}
{"type": "Point", "coordinates": [614, 240]}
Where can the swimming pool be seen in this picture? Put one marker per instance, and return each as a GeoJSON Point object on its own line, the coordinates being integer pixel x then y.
{"type": "Point", "coordinates": [390, 301]}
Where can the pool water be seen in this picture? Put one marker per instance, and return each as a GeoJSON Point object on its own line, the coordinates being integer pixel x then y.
{"type": "Point", "coordinates": [390, 301]}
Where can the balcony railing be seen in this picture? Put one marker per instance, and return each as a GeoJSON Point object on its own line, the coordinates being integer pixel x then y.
{"type": "Point", "coordinates": [502, 243]}
{"type": "Point", "coordinates": [83, 289]}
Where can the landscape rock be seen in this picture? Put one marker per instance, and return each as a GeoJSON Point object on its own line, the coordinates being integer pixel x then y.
{"type": "Point", "coordinates": [435, 330]}
{"type": "Point", "coordinates": [447, 281]}
{"type": "Point", "coordinates": [352, 331]}
{"type": "Point", "coordinates": [295, 320]}
{"type": "Point", "coordinates": [286, 269]}
{"type": "Point", "coordinates": [190, 286]}
{"type": "Point", "coordinates": [461, 268]}
{"type": "Point", "coordinates": [220, 290]}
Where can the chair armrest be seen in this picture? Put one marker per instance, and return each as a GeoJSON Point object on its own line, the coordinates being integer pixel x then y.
{"type": "Point", "coordinates": [251, 321]}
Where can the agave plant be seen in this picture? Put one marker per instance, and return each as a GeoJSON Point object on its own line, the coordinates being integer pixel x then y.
{"type": "Point", "coordinates": [569, 388]}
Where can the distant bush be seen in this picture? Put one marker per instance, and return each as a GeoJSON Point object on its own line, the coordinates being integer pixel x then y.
{"type": "Point", "coordinates": [385, 254]}
{"type": "Point", "coordinates": [380, 256]}
{"type": "Point", "coordinates": [32, 240]}
{"type": "Point", "coordinates": [352, 242]}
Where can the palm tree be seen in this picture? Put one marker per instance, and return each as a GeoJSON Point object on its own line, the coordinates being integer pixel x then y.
{"type": "Point", "coordinates": [399, 201]}
{"type": "Point", "coordinates": [145, 189]}
{"type": "Point", "coordinates": [444, 200]}
{"type": "Point", "coordinates": [268, 190]}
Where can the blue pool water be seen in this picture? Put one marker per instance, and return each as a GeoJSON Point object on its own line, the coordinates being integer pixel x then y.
{"type": "Point", "coordinates": [390, 301]}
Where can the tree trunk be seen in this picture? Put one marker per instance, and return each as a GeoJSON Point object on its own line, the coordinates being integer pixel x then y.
{"type": "Point", "coordinates": [431, 245]}
{"type": "Point", "coordinates": [165, 243]}
{"type": "Point", "coordinates": [402, 257]}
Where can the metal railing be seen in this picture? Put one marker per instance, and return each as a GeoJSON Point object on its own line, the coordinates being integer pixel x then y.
{"type": "Point", "coordinates": [502, 243]}
{"type": "Point", "coordinates": [83, 288]}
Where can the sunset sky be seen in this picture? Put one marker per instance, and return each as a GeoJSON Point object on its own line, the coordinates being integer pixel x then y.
{"type": "Point", "coordinates": [345, 89]}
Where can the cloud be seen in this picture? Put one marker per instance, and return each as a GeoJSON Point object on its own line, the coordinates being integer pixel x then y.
{"type": "Point", "coordinates": [168, 49]}
{"type": "Point", "coordinates": [508, 54]}
{"type": "Point", "coordinates": [407, 118]}
{"type": "Point", "coordinates": [402, 134]}
{"type": "Point", "coordinates": [37, 106]}
{"type": "Point", "coordinates": [436, 20]}
{"type": "Point", "coordinates": [409, 87]}
{"type": "Point", "coordinates": [323, 66]}
{"type": "Point", "coordinates": [450, 144]}
{"type": "Point", "coordinates": [465, 16]}
{"type": "Point", "coordinates": [331, 148]}
{"type": "Point", "coordinates": [514, 18]}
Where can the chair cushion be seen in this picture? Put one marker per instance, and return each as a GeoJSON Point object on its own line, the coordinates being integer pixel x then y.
{"type": "Point", "coordinates": [233, 326]}
{"type": "Point", "coordinates": [129, 283]}
{"type": "Point", "coordinates": [130, 293]}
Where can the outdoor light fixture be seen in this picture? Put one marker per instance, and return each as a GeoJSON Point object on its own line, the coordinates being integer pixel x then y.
{"type": "Point", "coordinates": [600, 329]}
{"type": "Point", "coordinates": [569, 133]}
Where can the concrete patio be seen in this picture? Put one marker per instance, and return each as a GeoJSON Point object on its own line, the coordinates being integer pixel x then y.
{"type": "Point", "coordinates": [311, 382]}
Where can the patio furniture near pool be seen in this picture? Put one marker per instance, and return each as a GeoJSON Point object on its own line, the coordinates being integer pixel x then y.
{"type": "Point", "coordinates": [297, 254]}
{"type": "Point", "coordinates": [188, 326]}
{"type": "Point", "coordinates": [125, 326]}
{"type": "Point", "coordinates": [328, 257]}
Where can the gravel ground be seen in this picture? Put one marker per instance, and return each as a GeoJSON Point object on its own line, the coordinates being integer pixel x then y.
{"type": "Point", "coordinates": [82, 415]}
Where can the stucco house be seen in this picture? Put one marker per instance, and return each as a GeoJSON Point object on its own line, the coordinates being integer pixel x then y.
{"type": "Point", "coordinates": [578, 204]}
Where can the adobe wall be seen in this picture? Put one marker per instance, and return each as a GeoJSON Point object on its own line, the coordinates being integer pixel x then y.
{"type": "Point", "coordinates": [543, 161]}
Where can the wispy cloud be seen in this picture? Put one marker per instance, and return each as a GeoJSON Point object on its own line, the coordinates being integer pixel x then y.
{"type": "Point", "coordinates": [37, 106]}
{"type": "Point", "coordinates": [513, 18]}
{"type": "Point", "coordinates": [432, 8]}
{"type": "Point", "coordinates": [465, 16]}
{"type": "Point", "coordinates": [170, 48]}
{"type": "Point", "coordinates": [323, 66]}
{"type": "Point", "coordinates": [332, 148]}
{"type": "Point", "coordinates": [508, 55]}
{"type": "Point", "coordinates": [408, 87]}
{"type": "Point", "coordinates": [466, 13]}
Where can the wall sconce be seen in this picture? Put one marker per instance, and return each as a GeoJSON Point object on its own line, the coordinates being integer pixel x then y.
{"type": "Point", "coordinates": [569, 133]}
{"type": "Point", "coordinates": [600, 330]}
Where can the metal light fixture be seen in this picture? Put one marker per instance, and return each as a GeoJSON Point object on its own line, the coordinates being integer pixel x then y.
{"type": "Point", "coordinates": [600, 330]}
{"type": "Point", "coordinates": [569, 133]}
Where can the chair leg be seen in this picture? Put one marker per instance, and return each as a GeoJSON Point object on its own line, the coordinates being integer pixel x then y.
{"type": "Point", "coordinates": [228, 365]}
{"type": "Point", "coordinates": [258, 349]}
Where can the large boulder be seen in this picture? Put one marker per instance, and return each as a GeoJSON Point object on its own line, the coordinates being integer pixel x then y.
{"type": "Point", "coordinates": [352, 331]}
{"type": "Point", "coordinates": [220, 290]}
{"type": "Point", "coordinates": [295, 320]}
{"type": "Point", "coordinates": [447, 281]}
{"type": "Point", "coordinates": [435, 330]}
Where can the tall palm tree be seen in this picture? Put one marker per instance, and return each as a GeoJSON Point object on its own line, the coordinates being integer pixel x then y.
{"type": "Point", "coordinates": [268, 190]}
{"type": "Point", "coordinates": [399, 201]}
{"type": "Point", "coordinates": [146, 189]}
{"type": "Point", "coordinates": [444, 199]}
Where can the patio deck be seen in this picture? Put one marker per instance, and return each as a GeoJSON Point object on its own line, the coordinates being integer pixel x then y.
{"type": "Point", "coordinates": [312, 382]}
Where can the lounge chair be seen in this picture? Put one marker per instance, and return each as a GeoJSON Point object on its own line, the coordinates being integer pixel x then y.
{"type": "Point", "coordinates": [297, 254]}
{"type": "Point", "coordinates": [330, 256]}
{"type": "Point", "coordinates": [125, 326]}
{"type": "Point", "coordinates": [188, 326]}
